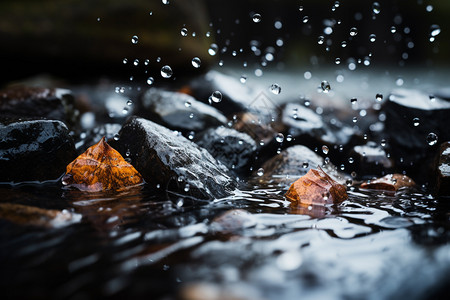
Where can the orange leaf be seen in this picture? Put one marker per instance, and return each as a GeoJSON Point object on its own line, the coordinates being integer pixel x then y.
{"type": "Point", "coordinates": [316, 188]}
{"type": "Point", "coordinates": [390, 182]}
{"type": "Point", "coordinates": [100, 168]}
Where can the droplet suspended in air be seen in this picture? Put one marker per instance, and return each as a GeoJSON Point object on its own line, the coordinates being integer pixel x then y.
{"type": "Point", "coordinates": [320, 40]}
{"type": "Point", "coordinates": [213, 48]}
{"type": "Point", "coordinates": [325, 149]}
{"type": "Point", "coordinates": [353, 101]}
{"type": "Point", "coordinates": [337, 60]}
{"type": "Point", "coordinates": [256, 18]}
{"type": "Point", "coordinates": [125, 61]}
{"type": "Point", "coordinates": [150, 80]}
{"type": "Point", "coordinates": [372, 38]}
{"type": "Point", "coordinates": [196, 62]}
{"type": "Point", "coordinates": [432, 139]}
{"type": "Point", "coordinates": [379, 97]}
{"type": "Point", "coordinates": [393, 29]}
{"type": "Point", "coordinates": [184, 31]}
{"type": "Point", "coordinates": [376, 8]}
{"type": "Point", "coordinates": [243, 79]}
{"type": "Point", "coordinates": [432, 98]}
{"type": "Point", "coordinates": [289, 138]}
{"type": "Point", "coordinates": [188, 104]}
{"type": "Point", "coordinates": [279, 137]}
{"type": "Point", "coordinates": [129, 102]}
{"type": "Point", "coordinates": [353, 31]}
{"type": "Point", "coordinates": [325, 85]}
{"type": "Point", "coordinates": [166, 71]}
{"type": "Point", "coordinates": [416, 122]}
{"type": "Point", "coordinates": [275, 88]}
{"type": "Point", "coordinates": [305, 19]}
{"type": "Point", "coordinates": [435, 30]}
{"type": "Point", "coordinates": [216, 96]}
{"type": "Point", "coordinates": [260, 172]}
{"type": "Point", "coordinates": [165, 2]}
{"type": "Point", "coordinates": [135, 39]}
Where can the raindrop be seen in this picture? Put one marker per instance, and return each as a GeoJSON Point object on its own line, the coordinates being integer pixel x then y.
{"type": "Point", "coordinates": [158, 59]}
{"type": "Point", "coordinates": [166, 71]}
{"type": "Point", "coordinates": [435, 30]}
{"type": "Point", "coordinates": [383, 143]}
{"type": "Point", "coordinates": [260, 172]}
{"type": "Point", "coordinates": [216, 96]}
{"type": "Point", "coordinates": [306, 103]}
{"type": "Point", "coordinates": [379, 97]}
{"type": "Point", "coordinates": [146, 62]}
{"type": "Point", "coordinates": [184, 31]}
{"type": "Point", "coordinates": [165, 2]}
{"type": "Point", "coordinates": [275, 88]}
{"type": "Point", "coordinates": [320, 40]}
{"type": "Point", "coordinates": [344, 44]}
{"type": "Point", "coordinates": [393, 29]}
{"type": "Point", "coordinates": [325, 149]}
{"type": "Point", "coordinates": [187, 104]}
{"type": "Point", "coordinates": [243, 79]}
{"type": "Point", "coordinates": [136, 62]}
{"type": "Point", "coordinates": [432, 98]}
{"type": "Point", "coordinates": [125, 61]}
{"type": "Point", "coordinates": [305, 19]}
{"type": "Point", "coordinates": [305, 165]}
{"type": "Point", "coordinates": [338, 60]}
{"type": "Point", "coordinates": [186, 187]}
{"type": "Point", "coordinates": [351, 160]}
{"type": "Point", "coordinates": [376, 8]}
{"type": "Point", "coordinates": [150, 80]}
{"type": "Point", "coordinates": [196, 62]}
{"type": "Point", "coordinates": [279, 137]}
{"type": "Point", "coordinates": [256, 18]}
{"type": "Point", "coordinates": [353, 101]}
{"type": "Point", "coordinates": [432, 139]}
{"type": "Point", "coordinates": [191, 135]}
{"type": "Point", "coordinates": [355, 119]}
{"type": "Point", "coordinates": [129, 102]}
{"type": "Point", "coordinates": [372, 38]}
{"type": "Point", "coordinates": [213, 48]}
{"type": "Point", "coordinates": [134, 39]}
{"type": "Point", "coordinates": [325, 85]}
{"type": "Point", "coordinates": [353, 31]}
{"type": "Point", "coordinates": [116, 137]}
{"type": "Point", "coordinates": [416, 122]}
{"type": "Point", "coordinates": [300, 8]}
{"type": "Point", "coordinates": [289, 138]}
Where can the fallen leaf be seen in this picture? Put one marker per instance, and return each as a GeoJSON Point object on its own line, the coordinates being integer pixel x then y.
{"type": "Point", "coordinates": [316, 188]}
{"type": "Point", "coordinates": [390, 182]}
{"type": "Point", "coordinates": [101, 168]}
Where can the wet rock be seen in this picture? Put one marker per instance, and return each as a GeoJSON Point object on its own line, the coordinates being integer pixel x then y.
{"type": "Point", "coordinates": [250, 124]}
{"type": "Point", "coordinates": [236, 150]}
{"type": "Point", "coordinates": [89, 138]}
{"type": "Point", "coordinates": [179, 111]}
{"type": "Point", "coordinates": [390, 182]}
{"type": "Point", "coordinates": [291, 164]}
{"type": "Point", "coordinates": [37, 102]}
{"type": "Point", "coordinates": [370, 160]}
{"type": "Point", "coordinates": [443, 170]}
{"type": "Point", "coordinates": [171, 161]}
{"type": "Point", "coordinates": [232, 221]}
{"type": "Point", "coordinates": [415, 123]}
{"type": "Point", "coordinates": [34, 150]}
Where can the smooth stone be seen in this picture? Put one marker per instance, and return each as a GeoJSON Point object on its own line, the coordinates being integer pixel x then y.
{"type": "Point", "coordinates": [236, 150]}
{"type": "Point", "coordinates": [443, 170]}
{"type": "Point", "coordinates": [178, 111]}
{"type": "Point", "coordinates": [172, 162]}
{"type": "Point", "coordinates": [370, 160]}
{"type": "Point", "coordinates": [37, 102]}
{"type": "Point", "coordinates": [34, 150]}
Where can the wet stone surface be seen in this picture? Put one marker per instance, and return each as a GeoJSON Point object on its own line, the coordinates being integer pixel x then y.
{"type": "Point", "coordinates": [34, 150]}
{"type": "Point", "coordinates": [443, 170]}
{"type": "Point", "coordinates": [370, 160]}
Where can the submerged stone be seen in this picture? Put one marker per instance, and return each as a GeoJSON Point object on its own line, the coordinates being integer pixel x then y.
{"type": "Point", "coordinates": [171, 161]}
{"type": "Point", "coordinates": [236, 150]}
{"type": "Point", "coordinates": [443, 170]}
{"type": "Point", "coordinates": [34, 150]}
{"type": "Point", "coordinates": [179, 111]}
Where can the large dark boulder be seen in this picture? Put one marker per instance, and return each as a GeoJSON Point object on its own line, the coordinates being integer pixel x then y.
{"type": "Point", "coordinates": [171, 161]}
{"type": "Point", "coordinates": [236, 150]}
{"type": "Point", "coordinates": [34, 150]}
{"type": "Point", "coordinates": [370, 160]}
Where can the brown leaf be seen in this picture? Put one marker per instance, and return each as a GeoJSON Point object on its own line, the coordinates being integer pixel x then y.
{"type": "Point", "coordinates": [101, 168]}
{"type": "Point", "coordinates": [316, 188]}
{"type": "Point", "coordinates": [390, 182]}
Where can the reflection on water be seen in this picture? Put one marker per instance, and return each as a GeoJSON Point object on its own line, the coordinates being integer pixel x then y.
{"type": "Point", "coordinates": [252, 245]}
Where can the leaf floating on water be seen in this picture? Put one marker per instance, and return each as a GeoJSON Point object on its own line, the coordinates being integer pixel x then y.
{"type": "Point", "coordinates": [316, 188]}
{"type": "Point", "coordinates": [390, 182]}
{"type": "Point", "coordinates": [100, 168]}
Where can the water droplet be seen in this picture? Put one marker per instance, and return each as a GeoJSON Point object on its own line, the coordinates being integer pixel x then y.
{"type": "Point", "coordinates": [165, 2]}
{"type": "Point", "coordinates": [353, 101]}
{"type": "Point", "coordinates": [305, 165]}
{"type": "Point", "coordinates": [355, 119]}
{"type": "Point", "coordinates": [213, 48]}
{"type": "Point", "coordinates": [289, 138]}
{"type": "Point", "coordinates": [432, 139]}
{"type": "Point", "coordinates": [191, 135]}
{"type": "Point", "coordinates": [166, 71]}
{"type": "Point", "coordinates": [393, 29]}
{"type": "Point", "coordinates": [325, 85]}
{"type": "Point", "coordinates": [135, 39]}
{"type": "Point", "coordinates": [136, 62]}
{"type": "Point", "coordinates": [344, 44]}
{"type": "Point", "coordinates": [196, 62]}
{"type": "Point", "coordinates": [351, 160]}
{"type": "Point", "coordinates": [146, 62]}
{"type": "Point", "coordinates": [306, 103]}
{"type": "Point", "coordinates": [300, 8]}
{"type": "Point", "coordinates": [260, 172]}
{"type": "Point", "coordinates": [275, 88]}
{"type": "Point", "coordinates": [125, 110]}
{"type": "Point", "coordinates": [279, 137]}
{"type": "Point", "coordinates": [305, 19]}
{"type": "Point", "coordinates": [416, 122]}
{"type": "Point", "coordinates": [116, 137]}
{"type": "Point", "coordinates": [125, 61]}
{"type": "Point", "coordinates": [434, 30]}
{"type": "Point", "coordinates": [150, 80]}
{"type": "Point", "coordinates": [376, 8]}
{"type": "Point", "coordinates": [158, 59]}
{"type": "Point", "coordinates": [320, 40]}
{"type": "Point", "coordinates": [243, 79]}
{"type": "Point", "coordinates": [325, 149]}
{"type": "Point", "coordinates": [353, 31]}
{"type": "Point", "coordinates": [216, 96]}
{"type": "Point", "coordinates": [372, 38]}
{"type": "Point", "coordinates": [337, 60]}
{"type": "Point", "coordinates": [383, 143]}
{"type": "Point", "coordinates": [186, 187]}
{"type": "Point", "coordinates": [184, 31]}
{"type": "Point", "coordinates": [379, 97]}
{"type": "Point", "coordinates": [256, 18]}
{"type": "Point", "coordinates": [432, 98]}
{"type": "Point", "coordinates": [129, 102]}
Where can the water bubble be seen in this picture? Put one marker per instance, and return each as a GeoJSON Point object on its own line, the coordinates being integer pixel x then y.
{"type": "Point", "coordinates": [196, 62]}
{"type": "Point", "coordinates": [353, 101]}
{"type": "Point", "coordinates": [166, 71]}
{"type": "Point", "coordinates": [216, 96]}
{"type": "Point", "coordinates": [279, 137]}
{"type": "Point", "coordinates": [184, 31]}
{"type": "Point", "coordinates": [305, 19]}
{"type": "Point", "coordinates": [275, 88]}
{"type": "Point", "coordinates": [213, 48]}
{"type": "Point", "coordinates": [353, 31]}
{"type": "Point", "coordinates": [416, 122]}
{"type": "Point", "coordinates": [376, 8]}
{"type": "Point", "coordinates": [372, 38]}
{"type": "Point", "coordinates": [325, 149]}
{"type": "Point", "coordinates": [150, 80]}
{"type": "Point", "coordinates": [256, 18]}
{"type": "Point", "coordinates": [165, 2]}
{"type": "Point", "coordinates": [379, 97]}
{"type": "Point", "coordinates": [434, 30]}
{"type": "Point", "coordinates": [432, 139]}
{"type": "Point", "coordinates": [243, 79]}
{"type": "Point", "coordinates": [260, 172]}
{"type": "Point", "coordinates": [135, 39]}
{"type": "Point", "coordinates": [325, 85]}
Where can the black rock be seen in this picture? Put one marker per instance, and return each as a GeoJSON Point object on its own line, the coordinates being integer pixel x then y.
{"type": "Point", "coordinates": [236, 150]}
{"type": "Point", "coordinates": [178, 111]}
{"type": "Point", "coordinates": [172, 161]}
{"type": "Point", "coordinates": [34, 150]}
{"type": "Point", "coordinates": [443, 170]}
{"type": "Point", "coordinates": [369, 160]}
{"type": "Point", "coordinates": [415, 123]}
{"type": "Point", "coordinates": [93, 136]}
{"type": "Point", "coordinates": [292, 163]}
{"type": "Point", "coordinates": [37, 102]}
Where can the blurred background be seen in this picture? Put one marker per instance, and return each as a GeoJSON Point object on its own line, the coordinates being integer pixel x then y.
{"type": "Point", "coordinates": [77, 40]}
